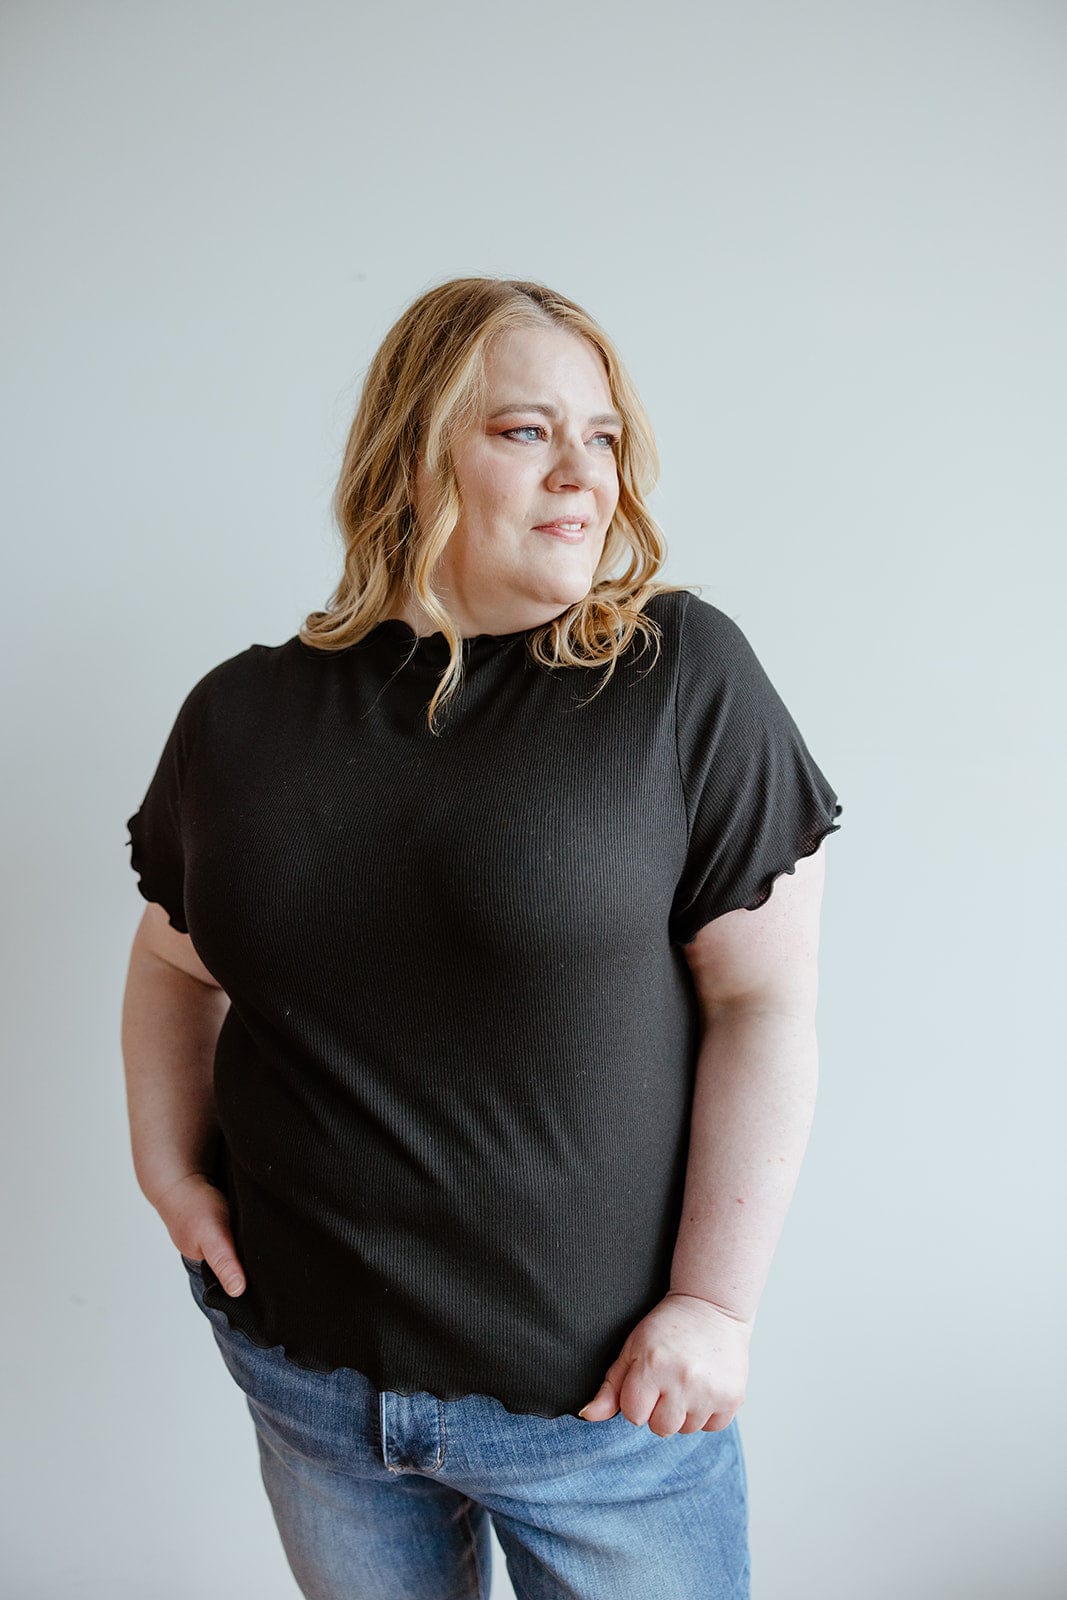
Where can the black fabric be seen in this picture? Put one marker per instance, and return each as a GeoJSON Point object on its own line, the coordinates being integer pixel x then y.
{"type": "Point", "coordinates": [454, 1082]}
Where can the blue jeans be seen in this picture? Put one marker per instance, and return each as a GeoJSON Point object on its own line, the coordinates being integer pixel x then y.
{"type": "Point", "coordinates": [384, 1496]}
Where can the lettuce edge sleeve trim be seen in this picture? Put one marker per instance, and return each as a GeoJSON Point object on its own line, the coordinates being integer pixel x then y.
{"type": "Point", "coordinates": [689, 928]}
{"type": "Point", "coordinates": [147, 887]}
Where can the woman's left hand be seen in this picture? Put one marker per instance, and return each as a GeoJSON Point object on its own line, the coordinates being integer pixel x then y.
{"type": "Point", "coordinates": [683, 1369]}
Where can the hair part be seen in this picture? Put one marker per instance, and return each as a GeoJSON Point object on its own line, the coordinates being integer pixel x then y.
{"type": "Point", "coordinates": [425, 384]}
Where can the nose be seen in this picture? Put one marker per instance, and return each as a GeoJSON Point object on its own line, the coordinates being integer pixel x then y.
{"type": "Point", "coordinates": [572, 468]}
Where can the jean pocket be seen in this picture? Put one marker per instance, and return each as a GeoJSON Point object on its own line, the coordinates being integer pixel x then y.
{"type": "Point", "coordinates": [193, 1266]}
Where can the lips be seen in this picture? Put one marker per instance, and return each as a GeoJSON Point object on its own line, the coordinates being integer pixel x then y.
{"type": "Point", "coordinates": [573, 535]}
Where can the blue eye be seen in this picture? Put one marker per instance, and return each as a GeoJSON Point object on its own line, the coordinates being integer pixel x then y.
{"type": "Point", "coordinates": [534, 427]}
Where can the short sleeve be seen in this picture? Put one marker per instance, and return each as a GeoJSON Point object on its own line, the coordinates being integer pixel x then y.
{"type": "Point", "coordinates": [756, 801]}
{"type": "Point", "coordinates": [155, 829]}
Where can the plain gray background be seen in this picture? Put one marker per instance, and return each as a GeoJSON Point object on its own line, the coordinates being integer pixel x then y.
{"type": "Point", "coordinates": [829, 240]}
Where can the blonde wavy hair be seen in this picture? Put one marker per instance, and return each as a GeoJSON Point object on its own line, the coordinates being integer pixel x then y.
{"type": "Point", "coordinates": [425, 383]}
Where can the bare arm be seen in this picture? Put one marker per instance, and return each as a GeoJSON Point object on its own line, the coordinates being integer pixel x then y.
{"type": "Point", "coordinates": [685, 1365]}
{"type": "Point", "coordinates": [172, 1012]}
{"type": "Point", "coordinates": [753, 1104]}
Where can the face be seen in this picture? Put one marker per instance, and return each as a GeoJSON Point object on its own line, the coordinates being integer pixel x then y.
{"type": "Point", "coordinates": [543, 451]}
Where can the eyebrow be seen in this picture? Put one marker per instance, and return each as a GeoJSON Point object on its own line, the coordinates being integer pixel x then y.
{"type": "Point", "coordinates": [612, 418]}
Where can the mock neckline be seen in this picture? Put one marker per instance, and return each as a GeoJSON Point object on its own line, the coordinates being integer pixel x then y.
{"type": "Point", "coordinates": [395, 628]}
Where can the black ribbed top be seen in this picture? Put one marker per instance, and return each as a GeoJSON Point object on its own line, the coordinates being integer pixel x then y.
{"type": "Point", "coordinates": [454, 1081]}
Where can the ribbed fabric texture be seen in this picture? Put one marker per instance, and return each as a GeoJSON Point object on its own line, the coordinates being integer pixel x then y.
{"type": "Point", "coordinates": [454, 1082]}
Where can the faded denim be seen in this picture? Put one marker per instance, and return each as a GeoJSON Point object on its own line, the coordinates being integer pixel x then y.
{"type": "Point", "coordinates": [384, 1496]}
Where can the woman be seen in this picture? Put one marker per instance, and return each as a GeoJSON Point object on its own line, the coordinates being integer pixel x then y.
{"type": "Point", "coordinates": [459, 1072]}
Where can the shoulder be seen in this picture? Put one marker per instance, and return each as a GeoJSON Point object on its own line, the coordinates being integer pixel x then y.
{"type": "Point", "coordinates": [239, 682]}
{"type": "Point", "coordinates": [250, 667]}
{"type": "Point", "coordinates": [703, 636]}
{"type": "Point", "coordinates": [707, 628]}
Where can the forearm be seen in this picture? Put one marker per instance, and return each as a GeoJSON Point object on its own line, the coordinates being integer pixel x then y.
{"type": "Point", "coordinates": [170, 1026]}
{"type": "Point", "coordinates": [753, 1104]}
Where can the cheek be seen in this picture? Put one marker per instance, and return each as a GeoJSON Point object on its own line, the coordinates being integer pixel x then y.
{"type": "Point", "coordinates": [503, 494]}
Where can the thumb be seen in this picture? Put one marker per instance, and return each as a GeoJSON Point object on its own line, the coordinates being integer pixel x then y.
{"type": "Point", "coordinates": [220, 1248]}
{"type": "Point", "coordinates": [222, 1258]}
{"type": "Point", "coordinates": [604, 1404]}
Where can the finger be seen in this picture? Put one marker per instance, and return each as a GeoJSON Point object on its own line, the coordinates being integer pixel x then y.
{"type": "Point", "coordinates": [603, 1405]}
{"type": "Point", "coordinates": [639, 1399]}
{"type": "Point", "coordinates": [608, 1397]}
{"type": "Point", "coordinates": [716, 1422]}
{"type": "Point", "coordinates": [667, 1417]}
{"type": "Point", "coordinates": [222, 1259]}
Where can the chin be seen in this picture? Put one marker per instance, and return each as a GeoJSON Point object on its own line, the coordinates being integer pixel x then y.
{"type": "Point", "coordinates": [563, 594]}
{"type": "Point", "coordinates": [568, 578]}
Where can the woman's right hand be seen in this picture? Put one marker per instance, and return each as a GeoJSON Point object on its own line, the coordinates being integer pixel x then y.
{"type": "Point", "coordinates": [197, 1217]}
